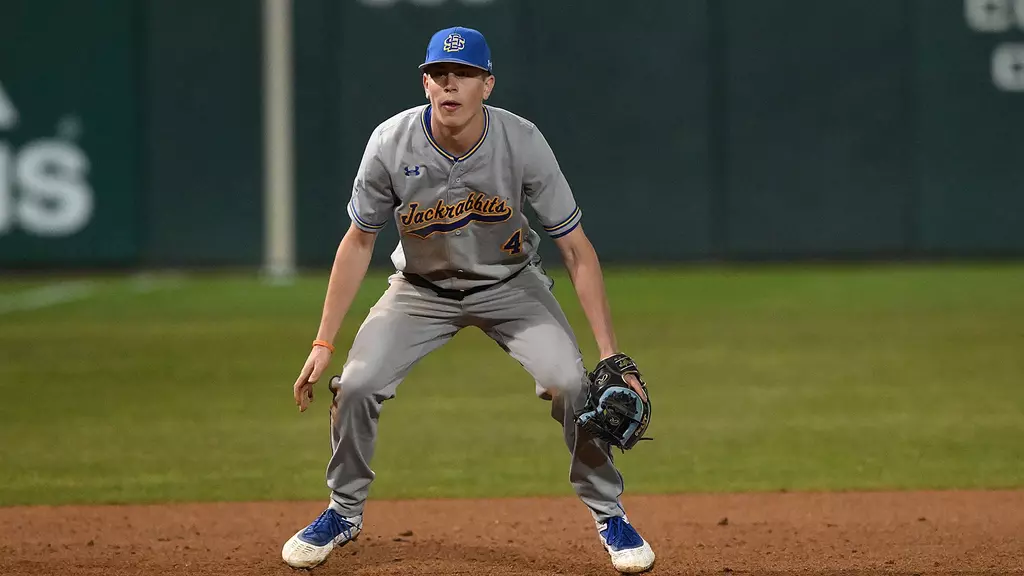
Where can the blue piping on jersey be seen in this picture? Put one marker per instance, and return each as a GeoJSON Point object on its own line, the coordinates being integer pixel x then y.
{"type": "Point", "coordinates": [425, 123]}
{"type": "Point", "coordinates": [570, 229]}
{"type": "Point", "coordinates": [555, 229]}
{"type": "Point", "coordinates": [363, 223]}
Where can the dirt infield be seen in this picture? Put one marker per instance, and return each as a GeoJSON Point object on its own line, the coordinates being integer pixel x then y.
{"type": "Point", "coordinates": [895, 533]}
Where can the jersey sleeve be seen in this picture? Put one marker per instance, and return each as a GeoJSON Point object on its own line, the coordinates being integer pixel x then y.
{"type": "Point", "coordinates": [547, 189]}
{"type": "Point", "coordinates": [373, 199]}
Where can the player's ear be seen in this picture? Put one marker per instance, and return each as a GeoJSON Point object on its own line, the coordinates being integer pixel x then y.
{"type": "Point", "coordinates": [488, 87]}
{"type": "Point", "coordinates": [425, 89]}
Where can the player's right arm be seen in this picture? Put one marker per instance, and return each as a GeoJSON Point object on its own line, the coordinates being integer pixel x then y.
{"type": "Point", "coordinates": [372, 203]}
{"type": "Point", "coordinates": [350, 264]}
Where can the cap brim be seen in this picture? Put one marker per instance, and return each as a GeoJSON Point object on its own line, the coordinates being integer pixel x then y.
{"type": "Point", "coordinates": [453, 61]}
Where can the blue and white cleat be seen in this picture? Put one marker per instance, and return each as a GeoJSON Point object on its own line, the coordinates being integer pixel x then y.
{"type": "Point", "coordinates": [630, 553]}
{"type": "Point", "coordinates": [310, 546]}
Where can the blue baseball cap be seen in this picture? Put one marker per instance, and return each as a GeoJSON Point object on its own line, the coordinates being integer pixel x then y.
{"type": "Point", "coordinates": [459, 45]}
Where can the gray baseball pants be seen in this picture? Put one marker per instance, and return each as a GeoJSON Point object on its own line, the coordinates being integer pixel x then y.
{"type": "Point", "coordinates": [409, 321]}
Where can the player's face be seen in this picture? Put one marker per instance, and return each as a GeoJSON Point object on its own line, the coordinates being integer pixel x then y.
{"type": "Point", "coordinates": [456, 91]}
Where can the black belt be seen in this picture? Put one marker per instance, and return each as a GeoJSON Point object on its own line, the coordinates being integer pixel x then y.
{"type": "Point", "coordinates": [422, 282]}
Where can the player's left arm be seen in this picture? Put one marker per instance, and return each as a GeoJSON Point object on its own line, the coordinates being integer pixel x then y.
{"type": "Point", "coordinates": [585, 272]}
{"type": "Point", "coordinates": [552, 199]}
{"type": "Point", "coordinates": [584, 269]}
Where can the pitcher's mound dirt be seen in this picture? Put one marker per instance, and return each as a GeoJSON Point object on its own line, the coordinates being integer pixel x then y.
{"type": "Point", "coordinates": [895, 533]}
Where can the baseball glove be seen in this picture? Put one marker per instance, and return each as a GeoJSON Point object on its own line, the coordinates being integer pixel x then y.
{"type": "Point", "coordinates": [614, 411]}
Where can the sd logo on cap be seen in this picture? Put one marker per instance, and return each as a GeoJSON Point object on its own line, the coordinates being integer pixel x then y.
{"type": "Point", "coordinates": [454, 43]}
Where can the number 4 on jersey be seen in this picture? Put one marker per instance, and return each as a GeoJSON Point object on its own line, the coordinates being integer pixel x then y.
{"type": "Point", "coordinates": [514, 245]}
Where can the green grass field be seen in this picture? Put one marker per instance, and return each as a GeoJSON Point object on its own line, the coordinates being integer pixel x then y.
{"type": "Point", "coordinates": [128, 389]}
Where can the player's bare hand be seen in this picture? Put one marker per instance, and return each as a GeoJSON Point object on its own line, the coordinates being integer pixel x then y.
{"type": "Point", "coordinates": [635, 385]}
{"type": "Point", "coordinates": [630, 379]}
{"type": "Point", "coordinates": [316, 363]}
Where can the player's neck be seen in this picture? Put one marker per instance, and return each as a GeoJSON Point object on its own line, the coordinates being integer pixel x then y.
{"type": "Point", "coordinates": [458, 140]}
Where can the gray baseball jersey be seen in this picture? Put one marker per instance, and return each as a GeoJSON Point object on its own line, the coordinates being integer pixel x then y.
{"type": "Point", "coordinates": [461, 219]}
{"type": "Point", "coordinates": [461, 226]}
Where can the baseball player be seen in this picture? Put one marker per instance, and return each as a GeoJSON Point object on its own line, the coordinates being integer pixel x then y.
{"type": "Point", "coordinates": [455, 175]}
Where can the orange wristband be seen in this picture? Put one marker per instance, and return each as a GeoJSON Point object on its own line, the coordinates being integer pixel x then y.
{"type": "Point", "coordinates": [325, 344]}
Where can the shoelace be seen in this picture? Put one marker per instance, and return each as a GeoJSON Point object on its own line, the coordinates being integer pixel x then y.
{"type": "Point", "coordinates": [334, 522]}
{"type": "Point", "coordinates": [620, 535]}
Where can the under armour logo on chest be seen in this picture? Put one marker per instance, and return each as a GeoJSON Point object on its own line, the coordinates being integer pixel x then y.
{"type": "Point", "coordinates": [412, 170]}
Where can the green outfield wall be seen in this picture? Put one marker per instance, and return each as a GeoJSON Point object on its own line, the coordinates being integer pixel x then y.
{"type": "Point", "coordinates": [131, 132]}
